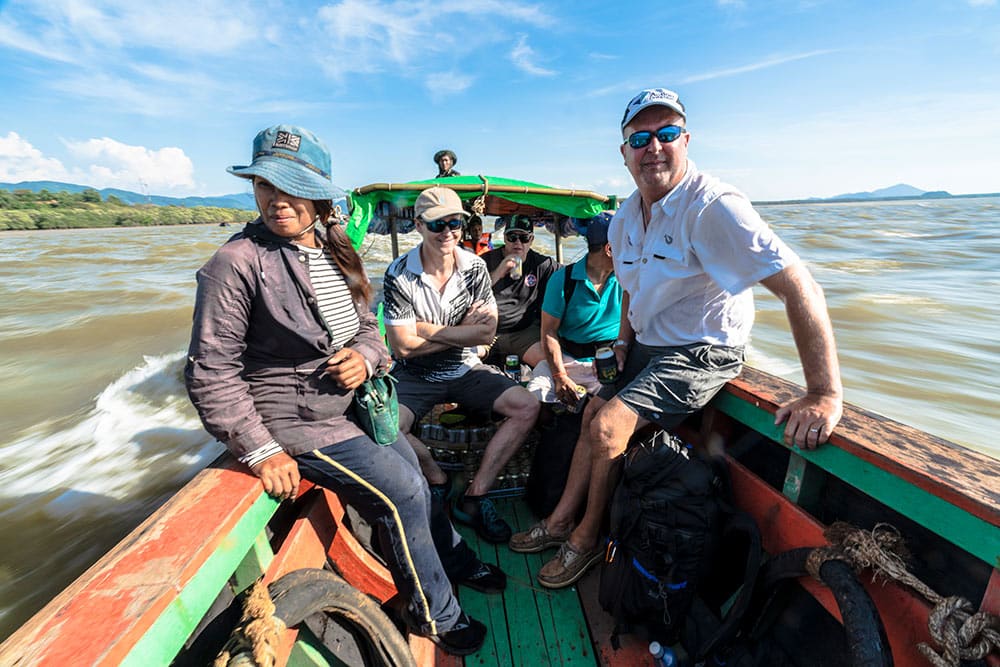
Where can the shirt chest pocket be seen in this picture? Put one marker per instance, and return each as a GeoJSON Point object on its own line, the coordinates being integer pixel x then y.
{"type": "Point", "coordinates": [667, 259]}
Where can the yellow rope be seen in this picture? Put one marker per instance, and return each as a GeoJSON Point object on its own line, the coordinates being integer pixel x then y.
{"type": "Point", "coordinates": [259, 632]}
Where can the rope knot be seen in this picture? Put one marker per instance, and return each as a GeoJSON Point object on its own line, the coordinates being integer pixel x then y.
{"type": "Point", "coordinates": [258, 633]}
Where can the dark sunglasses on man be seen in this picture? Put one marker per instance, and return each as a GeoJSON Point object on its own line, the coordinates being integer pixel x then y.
{"type": "Point", "coordinates": [665, 135]}
{"type": "Point", "coordinates": [517, 237]}
{"type": "Point", "coordinates": [438, 226]}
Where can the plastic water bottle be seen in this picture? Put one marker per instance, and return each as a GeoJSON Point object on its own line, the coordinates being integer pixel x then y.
{"type": "Point", "coordinates": [663, 656]}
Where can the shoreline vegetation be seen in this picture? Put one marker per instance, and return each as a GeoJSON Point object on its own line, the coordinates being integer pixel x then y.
{"type": "Point", "coordinates": [25, 210]}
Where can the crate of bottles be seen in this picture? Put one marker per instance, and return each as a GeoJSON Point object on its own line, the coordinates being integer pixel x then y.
{"type": "Point", "coordinates": [457, 442]}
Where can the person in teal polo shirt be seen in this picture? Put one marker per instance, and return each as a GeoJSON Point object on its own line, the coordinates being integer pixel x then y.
{"type": "Point", "coordinates": [581, 312]}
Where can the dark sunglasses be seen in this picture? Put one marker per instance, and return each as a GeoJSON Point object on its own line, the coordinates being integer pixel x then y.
{"type": "Point", "coordinates": [665, 135]}
{"type": "Point", "coordinates": [517, 236]}
{"type": "Point", "coordinates": [437, 226]}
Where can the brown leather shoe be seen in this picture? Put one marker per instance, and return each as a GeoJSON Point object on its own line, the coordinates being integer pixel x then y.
{"type": "Point", "coordinates": [535, 539]}
{"type": "Point", "coordinates": [567, 566]}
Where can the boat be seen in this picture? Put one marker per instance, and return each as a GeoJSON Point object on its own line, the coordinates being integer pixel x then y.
{"type": "Point", "coordinates": [172, 591]}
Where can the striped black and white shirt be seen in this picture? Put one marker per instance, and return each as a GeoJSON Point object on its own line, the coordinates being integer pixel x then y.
{"type": "Point", "coordinates": [408, 298]}
{"type": "Point", "coordinates": [332, 296]}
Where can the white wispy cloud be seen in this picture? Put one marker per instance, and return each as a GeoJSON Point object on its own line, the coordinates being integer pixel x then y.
{"type": "Point", "coordinates": [523, 57]}
{"type": "Point", "coordinates": [365, 37]}
{"type": "Point", "coordinates": [442, 84]}
{"type": "Point", "coordinates": [122, 95]}
{"type": "Point", "coordinates": [626, 87]}
{"type": "Point", "coordinates": [772, 61]}
{"type": "Point", "coordinates": [101, 26]}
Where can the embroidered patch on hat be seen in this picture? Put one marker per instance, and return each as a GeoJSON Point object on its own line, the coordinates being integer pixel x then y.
{"type": "Point", "coordinates": [288, 141]}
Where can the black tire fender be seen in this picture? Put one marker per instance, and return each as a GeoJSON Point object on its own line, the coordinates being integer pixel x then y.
{"type": "Point", "coordinates": [302, 593]}
{"type": "Point", "coordinates": [866, 638]}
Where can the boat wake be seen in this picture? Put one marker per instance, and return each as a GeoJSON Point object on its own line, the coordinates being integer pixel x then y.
{"type": "Point", "coordinates": [141, 432]}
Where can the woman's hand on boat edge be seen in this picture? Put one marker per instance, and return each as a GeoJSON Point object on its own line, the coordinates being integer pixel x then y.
{"type": "Point", "coordinates": [279, 474]}
{"type": "Point", "coordinates": [811, 419]}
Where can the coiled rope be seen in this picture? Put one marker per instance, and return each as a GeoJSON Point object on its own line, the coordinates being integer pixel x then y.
{"type": "Point", "coordinates": [258, 632]}
{"type": "Point", "coordinates": [479, 203]}
{"type": "Point", "coordinates": [960, 632]}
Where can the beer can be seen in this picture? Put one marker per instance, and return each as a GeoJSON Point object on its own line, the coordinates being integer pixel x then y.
{"type": "Point", "coordinates": [607, 365]}
{"type": "Point", "coordinates": [517, 271]}
{"type": "Point", "coordinates": [581, 399]}
{"type": "Point", "coordinates": [512, 366]}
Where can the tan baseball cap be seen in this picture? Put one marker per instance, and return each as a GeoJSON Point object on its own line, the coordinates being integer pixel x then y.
{"type": "Point", "coordinates": [438, 202]}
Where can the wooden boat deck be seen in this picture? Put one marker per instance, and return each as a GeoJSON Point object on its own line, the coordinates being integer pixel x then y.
{"type": "Point", "coordinates": [530, 625]}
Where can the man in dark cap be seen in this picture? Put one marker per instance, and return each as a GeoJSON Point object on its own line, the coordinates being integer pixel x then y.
{"type": "Point", "coordinates": [519, 276]}
{"type": "Point", "coordinates": [446, 161]}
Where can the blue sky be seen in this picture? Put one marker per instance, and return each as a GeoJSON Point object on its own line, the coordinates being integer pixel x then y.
{"type": "Point", "coordinates": [785, 99]}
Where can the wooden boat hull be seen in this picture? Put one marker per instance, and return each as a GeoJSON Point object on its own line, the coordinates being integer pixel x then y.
{"type": "Point", "coordinates": [144, 600]}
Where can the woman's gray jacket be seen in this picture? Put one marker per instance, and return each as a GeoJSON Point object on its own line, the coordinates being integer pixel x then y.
{"type": "Point", "coordinates": [259, 347]}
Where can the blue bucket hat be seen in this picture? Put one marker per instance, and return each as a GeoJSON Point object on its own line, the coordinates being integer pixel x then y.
{"type": "Point", "coordinates": [294, 160]}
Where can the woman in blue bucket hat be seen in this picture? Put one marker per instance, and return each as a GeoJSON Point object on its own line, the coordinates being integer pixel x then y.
{"type": "Point", "coordinates": [283, 334]}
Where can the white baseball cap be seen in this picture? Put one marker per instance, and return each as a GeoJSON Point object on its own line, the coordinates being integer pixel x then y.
{"type": "Point", "coordinates": [652, 97]}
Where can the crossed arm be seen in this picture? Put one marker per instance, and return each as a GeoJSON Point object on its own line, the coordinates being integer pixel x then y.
{"type": "Point", "coordinates": [415, 339]}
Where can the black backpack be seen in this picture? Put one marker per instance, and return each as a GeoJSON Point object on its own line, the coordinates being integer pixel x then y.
{"type": "Point", "coordinates": [669, 515]}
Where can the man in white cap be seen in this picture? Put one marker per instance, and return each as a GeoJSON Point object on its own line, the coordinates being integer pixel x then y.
{"type": "Point", "coordinates": [687, 251]}
{"type": "Point", "coordinates": [438, 309]}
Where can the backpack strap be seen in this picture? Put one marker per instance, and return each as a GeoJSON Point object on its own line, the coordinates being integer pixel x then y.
{"type": "Point", "coordinates": [569, 285]}
{"type": "Point", "coordinates": [737, 523]}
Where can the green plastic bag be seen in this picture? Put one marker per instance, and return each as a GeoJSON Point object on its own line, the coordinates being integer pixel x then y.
{"type": "Point", "coordinates": [376, 408]}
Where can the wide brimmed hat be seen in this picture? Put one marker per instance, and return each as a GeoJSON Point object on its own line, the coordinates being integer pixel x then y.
{"type": "Point", "coordinates": [440, 154]}
{"type": "Point", "coordinates": [438, 202]}
{"type": "Point", "coordinates": [652, 97]}
{"type": "Point", "coordinates": [294, 160]}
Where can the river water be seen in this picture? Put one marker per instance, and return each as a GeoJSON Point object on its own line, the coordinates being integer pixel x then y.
{"type": "Point", "coordinates": [96, 430]}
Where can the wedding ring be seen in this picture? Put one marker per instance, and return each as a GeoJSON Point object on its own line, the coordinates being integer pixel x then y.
{"type": "Point", "coordinates": [814, 430]}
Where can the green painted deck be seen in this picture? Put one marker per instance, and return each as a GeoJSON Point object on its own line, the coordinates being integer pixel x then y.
{"type": "Point", "coordinates": [530, 625]}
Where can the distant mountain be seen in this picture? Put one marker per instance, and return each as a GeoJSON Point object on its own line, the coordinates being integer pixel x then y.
{"type": "Point", "coordinates": [898, 190]}
{"type": "Point", "coordinates": [243, 201]}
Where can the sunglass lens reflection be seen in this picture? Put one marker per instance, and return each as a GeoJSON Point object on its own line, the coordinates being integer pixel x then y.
{"type": "Point", "coordinates": [437, 226]}
{"type": "Point", "coordinates": [664, 135]}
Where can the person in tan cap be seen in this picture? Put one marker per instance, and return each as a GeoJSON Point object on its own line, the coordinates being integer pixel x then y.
{"type": "Point", "coordinates": [439, 307]}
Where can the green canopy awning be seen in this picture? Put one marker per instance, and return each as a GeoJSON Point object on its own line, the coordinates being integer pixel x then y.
{"type": "Point", "coordinates": [364, 200]}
